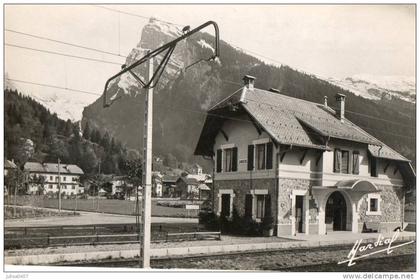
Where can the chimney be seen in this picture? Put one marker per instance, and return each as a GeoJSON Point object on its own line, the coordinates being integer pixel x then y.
{"type": "Point", "coordinates": [325, 101]}
{"type": "Point", "coordinates": [249, 81]}
{"type": "Point", "coordinates": [340, 98]}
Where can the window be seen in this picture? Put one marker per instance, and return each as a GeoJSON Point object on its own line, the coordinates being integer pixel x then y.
{"type": "Point", "coordinates": [228, 160]}
{"type": "Point", "coordinates": [260, 206]}
{"type": "Point", "coordinates": [356, 162]}
{"type": "Point", "coordinates": [229, 157]}
{"type": "Point", "coordinates": [56, 178]}
{"type": "Point", "coordinates": [50, 186]}
{"type": "Point", "coordinates": [373, 207]}
{"type": "Point", "coordinates": [345, 162]}
{"type": "Point", "coordinates": [341, 161]}
{"type": "Point", "coordinates": [64, 178]}
{"type": "Point", "coordinates": [73, 187]}
{"type": "Point", "coordinates": [263, 156]}
{"type": "Point", "coordinates": [51, 178]}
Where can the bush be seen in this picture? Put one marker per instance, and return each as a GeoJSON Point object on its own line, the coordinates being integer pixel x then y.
{"type": "Point", "coordinates": [251, 227]}
{"type": "Point", "coordinates": [209, 219]}
{"type": "Point", "coordinates": [267, 223]}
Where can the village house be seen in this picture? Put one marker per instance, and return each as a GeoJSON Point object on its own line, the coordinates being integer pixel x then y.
{"type": "Point", "coordinates": [157, 189]}
{"type": "Point", "coordinates": [69, 178]}
{"type": "Point", "coordinates": [317, 171]}
{"type": "Point", "coordinates": [8, 167]}
{"type": "Point", "coordinates": [169, 185]}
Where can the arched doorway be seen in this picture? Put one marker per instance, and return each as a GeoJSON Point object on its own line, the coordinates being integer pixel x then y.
{"type": "Point", "coordinates": [336, 212]}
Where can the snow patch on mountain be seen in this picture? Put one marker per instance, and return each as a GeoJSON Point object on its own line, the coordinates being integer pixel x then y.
{"type": "Point", "coordinates": [66, 104]}
{"type": "Point", "coordinates": [126, 81]}
{"type": "Point", "coordinates": [165, 27]}
{"type": "Point", "coordinates": [204, 44]}
{"type": "Point", "coordinates": [376, 87]}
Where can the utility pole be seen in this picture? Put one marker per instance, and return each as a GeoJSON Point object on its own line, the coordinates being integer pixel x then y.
{"type": "Point", "coordinates": [16, 187]}
{"type": "Point", "coordinates": [97, 183]}
{"type": "Point", "coordinates": [147, 171]}
{"type": "Point", "coordinates": [153, 78]}
{"type": "Point", "coordinates": [59, 187]}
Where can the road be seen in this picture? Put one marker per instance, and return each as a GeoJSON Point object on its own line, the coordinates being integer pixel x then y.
{"type": "Point", "coordinates": [86, 218]}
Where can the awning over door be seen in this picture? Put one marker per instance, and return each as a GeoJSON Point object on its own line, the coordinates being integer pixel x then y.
{"type": "Point", "coordinates": [357, 186]}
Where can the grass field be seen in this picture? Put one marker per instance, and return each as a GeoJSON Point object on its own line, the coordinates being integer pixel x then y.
{"type": "Point", "coordinates": [112, 206]}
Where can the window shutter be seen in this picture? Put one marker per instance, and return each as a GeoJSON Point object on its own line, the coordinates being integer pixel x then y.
{"type": "Point", "coordinates": [373, 167]}
{"type": "Point", "coordinates": [235, 159]}
{"type": "Point", "coordinates": [269, 164]}
{"type": "Point", "coordinates": [250, 157]}
{"type": "Point", "coordinates": [248, 205]}
{"type": "Point", "coordinates": [337, 160]}
{"type": "Point", "coordinates": [355, 162]}
{"type": "Point", "coordinates": [267, 209]}
{"type": "Point", "coordinates": [219, 161]}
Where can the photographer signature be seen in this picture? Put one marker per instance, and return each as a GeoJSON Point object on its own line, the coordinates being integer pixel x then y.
{"type": "Point", "coordinates": [365, 250]}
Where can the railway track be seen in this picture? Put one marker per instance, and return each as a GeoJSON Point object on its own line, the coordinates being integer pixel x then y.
{"type": "Point", "coordinates": [193, 262]}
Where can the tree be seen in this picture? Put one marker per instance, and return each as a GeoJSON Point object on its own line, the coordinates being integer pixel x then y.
{"type": "Point", "coordinates": [106, 141]}
{"type": "Point", "coordinates": [87, 132]}
{"type": "Point", "coordinates": [25, 151]}
{"type": "Point", "coordinates": [38, 181]}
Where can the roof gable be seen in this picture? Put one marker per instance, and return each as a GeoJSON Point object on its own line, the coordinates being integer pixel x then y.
{"type": "Point", "coordinates": [52, 168]}
{"type": "Point", "coordinates": [289, 121]}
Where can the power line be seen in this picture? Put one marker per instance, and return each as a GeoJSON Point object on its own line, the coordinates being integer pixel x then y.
{"type": "Point", "coordinates": [136, 15]}
{"type": "Point", "coordinates": [347, 111]}
{"type": "Point", "coordinates": [53, 86]}
{"type": "Point", "coordinates": [183, 109]}
{"type": "Point", "coordinates": [63, 42]}
{"type": "Point", "coordinates": [182, 25]}
{"type": "Point", "coordinates": [62, 54]}
{"type": "Point", "coordinates": [143, 17]}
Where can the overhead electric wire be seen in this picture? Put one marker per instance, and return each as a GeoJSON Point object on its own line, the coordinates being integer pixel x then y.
{"type": "Point", "coordinates": [62, 54]}
{"type": "Point", "coordinates": [205, 113]}
{"type": "Point", "coordinates": [53, 86]}
{"type": "Point", "coordinates": [111, 53]}
{"type": "Point", "coordinates": [63, 42]}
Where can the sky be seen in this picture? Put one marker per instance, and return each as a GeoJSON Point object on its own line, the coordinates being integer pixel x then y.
{"type": "Point", "coordinates": [325, 40]}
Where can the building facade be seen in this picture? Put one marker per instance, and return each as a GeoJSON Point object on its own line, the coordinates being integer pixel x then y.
{"type": "Point", "coordinates": [314, 169]}
{"type": "Point", "coordinates": [69, 178]}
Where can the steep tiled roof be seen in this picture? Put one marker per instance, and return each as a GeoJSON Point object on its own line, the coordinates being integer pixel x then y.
{"type": "Point", "coordinates": [293, 121]}
{"type": "Point", "coordinates": [52, 168]}
{"type": "Point", "coordinates": [9, 164]}
{"type": "Point", "coordinates": [285, 117]}
{"type": "Point", "coordinates": [189, 181]}
{"type": "Point", "coordinates": [169, 179]}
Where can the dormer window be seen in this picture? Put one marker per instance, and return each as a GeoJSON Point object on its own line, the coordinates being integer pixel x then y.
{"type": "Point", "coordinates": [342, 162]}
